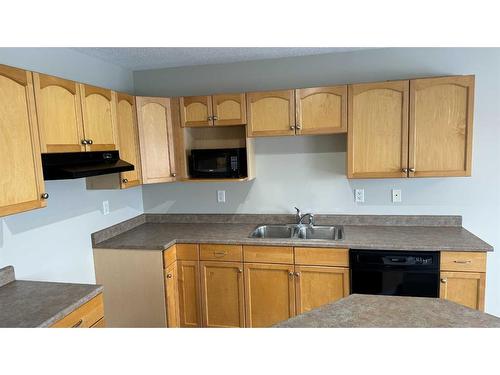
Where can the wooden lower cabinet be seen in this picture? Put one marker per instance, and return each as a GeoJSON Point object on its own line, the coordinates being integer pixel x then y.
{"type": "Point", "coordinates": [269, 293]}
{"type": "Point", "coordinates": [172, 296]}
{"type": "Point", "coordinates": [317, 286]}
{"type": "Point", "coordinates": [189, 293]}
{"type": "Point", "coordinates": [90, 314]}
{"type": "Point", "coordinates": [222, 294]}
{"type": "Point", "coordinates": [465, 288]}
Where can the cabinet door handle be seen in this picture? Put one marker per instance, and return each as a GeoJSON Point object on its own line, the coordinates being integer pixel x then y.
{"type": "Point", "coordinates": [173, 174]}
{"type": "Point", "coordinates": [290, 273]}
{"type": "Point", "coordinates": [404, 170]}
{"type": "Point", "coordinates": [215, 118]}
{"type": "Point", "coordinates": [297, 274]}
{"type": "Point", "coordinates": [84, 142]}
{"type": "Point", "coordinates": [444, 280]}
{"type": "Point", "coordinates": [125, 180]}
{"type": "Point", "coordinates": [77, 324]}
{"type": "Point", "coordinates": [462, 261]}
{"type": "Point", "coordinates": [220, 253]}
{"type": "Point", "coordinates": [412, 169]}
{"type": "Point", "coordinates": [240, 270]}
{"type": "Point", "coordinates": [169, 275]}
{"type": "Point", "coordinates": [44, 196]}
{"type": "Point", "coordinates": [209, 118]}
{"type": "Point", "coordinates": [292, 127]}
{"type": "Point", "coordinates": [298, 126]}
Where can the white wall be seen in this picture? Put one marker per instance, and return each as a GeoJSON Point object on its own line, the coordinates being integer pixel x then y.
{"type": "Point", "coordinates": [309, 172]}
{"type": "Point", "coordinates": [54, 243]}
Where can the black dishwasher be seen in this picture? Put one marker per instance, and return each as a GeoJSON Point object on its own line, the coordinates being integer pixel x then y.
{"type": "Point", "coordinates": [396, 273]}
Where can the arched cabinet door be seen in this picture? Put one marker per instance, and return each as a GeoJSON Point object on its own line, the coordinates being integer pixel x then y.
{"type": "Point", "coordinates": [229, 109]}
{"type": "Point", "coordinates": [59, 112]}
{"type": "Point", "coordinates": [21, 179]}
{"type": "Point", "coordinates": [321, 110]}
{"type": "Point", "coordinates": [441, 113]}
{"type": "Point", "coordinates": [377, 135]}
{"type": "Point", "coordinates": [196, 111]}
{"type": "Point", "coordinates": [271, 113]}
{"type": "Point", "coordinates": [99, 118]}
{"type": "Point", "coordinates": [156, 139]}
{"type": "Point", "coordinates": [128, 136]}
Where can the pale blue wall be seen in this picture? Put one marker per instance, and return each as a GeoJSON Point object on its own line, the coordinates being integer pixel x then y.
{"type": "Point", "coordinates": [54, 243]}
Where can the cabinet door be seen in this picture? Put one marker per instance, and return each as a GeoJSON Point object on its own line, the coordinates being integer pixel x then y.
{"type": "Point", "coordinates": [465, 288]}
{"type": "Point", "coordinates": [269, 294]}
{"type": "Point", "coordinates": [99, 118]}
{"type": "Point", "coordinates": [321, 110]}
{"type": "Point", "coordinates": [377, 135]}
{"type": "Point", "coordinates": [196, 111]}
{"type": "Point", "coordinates": [21, 180]}
{"type": "Point", "coordinates": [189, 293]}
{"type": "Point", "coordinates": [59, 111]}
{"type": "Point", "coordinates": [441, 113]}
{"type": "Point", "coordinates": [156, 139]}
{"type": "Point", "coordinates": [229, 109]}
{"type": "Point", "coordinates": [222, 294]}
{"type": "Point", "coordinates": [128, 137]}
{"type": "Point", "coordinates": [172, 296]}
{"type": "Point", "coordinates": [317, 286]}
{"type": "Point", "coordinates": [271, 113]}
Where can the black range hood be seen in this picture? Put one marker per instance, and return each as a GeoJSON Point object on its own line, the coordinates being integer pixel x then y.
{"type": "Point", "coordinates": [70, 165]}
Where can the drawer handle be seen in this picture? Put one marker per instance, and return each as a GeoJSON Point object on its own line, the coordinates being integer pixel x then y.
{"type": "Point", "coordinates": [77, 324]}
{"type": "Point", "coordinates": [220, 254]}
{"type": "Point", "coordinates": [463, 261]}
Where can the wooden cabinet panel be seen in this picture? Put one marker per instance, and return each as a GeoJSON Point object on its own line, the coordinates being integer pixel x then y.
{"type": "Point", "coordinates": [99, 118]}
{"type": "Point", "coordinates": [271, 113]}
{"type": "Point", "coordinates": [228, 253]}
{"type": "Point", "coordinates": [441, 113]}
{"type": "Point", "coordinates": [465, 288]}
{"type": "Point", "coordinates": [196, 111]}
{"type": "Point", "coordinates": [269, 294]}
{"type": "Point", "coordinates": [321, 110]}
{"type": "Point", "coordinates": [59, 112]}
{"type": "Point", "coordinates": [268, 254]}
{"type": "Point", "coordinates": [317, 286]}
{"type": "Point", "coordinates": [229, 109]}
{"type": "Point", "coordinates": [21, 180]}
{"type": "Point", "coordinates": [128, 136]}
{"type": "Point", "coordinates": [85, 316]}
{"type": "Point", "coordinates": [156, 139]}
{"type": "Point", "coordinates": [172, 296]}
{"type": "Point", "coordinates": [189, 293]}
{"type": "Point", "coordinates": [463, 261]}
{"type": "Point", "coordinates": [378, 130]}
{"type": "Point", "coordinates": [322, 256]}
{"type": "Point", "coordinates": [222, 294]}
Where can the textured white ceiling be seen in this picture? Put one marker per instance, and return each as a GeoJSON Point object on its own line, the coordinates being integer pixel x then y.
{"type": "Point", "coordinates": [156, 58]}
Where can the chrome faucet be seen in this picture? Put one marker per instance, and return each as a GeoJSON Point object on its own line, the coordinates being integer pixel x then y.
{"type": "Point", "coordinates": [299, 218]}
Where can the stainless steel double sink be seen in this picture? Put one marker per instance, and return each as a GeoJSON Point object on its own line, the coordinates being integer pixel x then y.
{"type": "Point", "coordinates": [299, 231]}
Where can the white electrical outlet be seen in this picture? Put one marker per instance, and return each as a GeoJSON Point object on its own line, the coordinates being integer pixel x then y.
{"type": "Point", "coordinates": [396, 196]}
{"type": "Point", "coordinates": [221, 196]}
{"type": "Point", "coordinates": [359, 195]}
{"type": "Point", "coordinates": [105, 207]}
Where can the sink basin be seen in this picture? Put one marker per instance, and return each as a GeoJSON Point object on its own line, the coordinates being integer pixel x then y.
{"type": "Point", "coordinates": [298, 231]}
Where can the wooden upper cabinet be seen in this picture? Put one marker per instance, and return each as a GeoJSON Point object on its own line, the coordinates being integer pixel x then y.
{"type": "Point", "coordinates": [21, 180]}
{"type": "Point", "coordinates": [128, 136]}
{"type": "Point", "coordinates": [196, 111]}
{"type": "Point", "coordinates": [59, 114]}
{"type": "Point", "coordinates": [441, 113]}
{"type": "Point", "coordinates": [271, 113]}
{"type": "Point", "coordinates": [222, 294]}
{"type": "Point", "coordinates": [99, 118]}
{"type": "Point", "coordinates": [156, 139]}
{"type": "Point", "coordinates": [321, 110]}
{"type": "Point", "coordinates": [377, 133]}
{"type": "Point", "coordinates": [229, 109]}
{"type": "Point", "coordinates": [269, 294]}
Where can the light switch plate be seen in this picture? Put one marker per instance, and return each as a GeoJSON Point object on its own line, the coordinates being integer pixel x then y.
{"type": "Point", "coordinates": [396, 196]}
{"type": "Point", "coordinates": [359, 195]}
{"type": "Point", "coordinates": [221, 196]}
{"type": "Point", "coordinates": [105, 207]}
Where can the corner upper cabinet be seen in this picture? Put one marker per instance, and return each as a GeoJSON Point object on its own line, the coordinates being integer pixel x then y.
{"type": "Point", "coordinates": [196, 111]}
{"type": "Point", "coordinates": [21, 180]}
{"type": "Point", "coordinates": [156, 139]}
{"type": "Point", "coordinates": [128, 137]}
{"type": "Point", "coordinates": [99, 118]}
{"type": "Point", "coordinates": [441, 115]}
{"type": "Point", "coordinates": [321, 110]}
{"type": "Point", "coordinates": [271, 113]}
{"type": "Point", "coordinates": [59, 114]}
{"type": "Point", "coordinates": [377, 136]}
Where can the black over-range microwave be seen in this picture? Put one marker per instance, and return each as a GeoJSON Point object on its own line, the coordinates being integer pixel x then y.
{"type": "Point", "coordinates": [218, 163]}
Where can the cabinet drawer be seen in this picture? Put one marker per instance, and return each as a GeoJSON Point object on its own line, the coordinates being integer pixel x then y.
{"type": "Point", "coordinates": [100, 324]}
{"type": "Point", "coordinates": [169, 256]}
{"type": "Point", "coordinates": [463, 261]}
{"type": "Point", "coordinates": [317, 256]}
{"type": "Point", "coordinates": [85, 316]}
{"type": "Point", "coordinates": [268, 254]}
{"type": "Point", "coordinates": [233, 253]}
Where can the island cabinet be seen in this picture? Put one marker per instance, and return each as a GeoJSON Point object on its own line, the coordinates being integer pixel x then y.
{"type": "Point", "coordinates": [214, 110]}
{"type": "Point", "coordinates": [21, 180]}
{"type": "Point", "coordinates": [463, 278]}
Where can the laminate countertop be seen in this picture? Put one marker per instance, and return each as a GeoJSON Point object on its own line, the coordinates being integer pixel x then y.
{"type": "Point", "coordinates": [152, 234]}
{"type": "Point", "coordinates": [30, 304]}
{"type": "Point", "coordinates": [370, 311]}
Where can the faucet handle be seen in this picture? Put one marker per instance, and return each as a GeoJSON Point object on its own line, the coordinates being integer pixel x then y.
{"type": "Point", "coordinates": [298, 211]}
